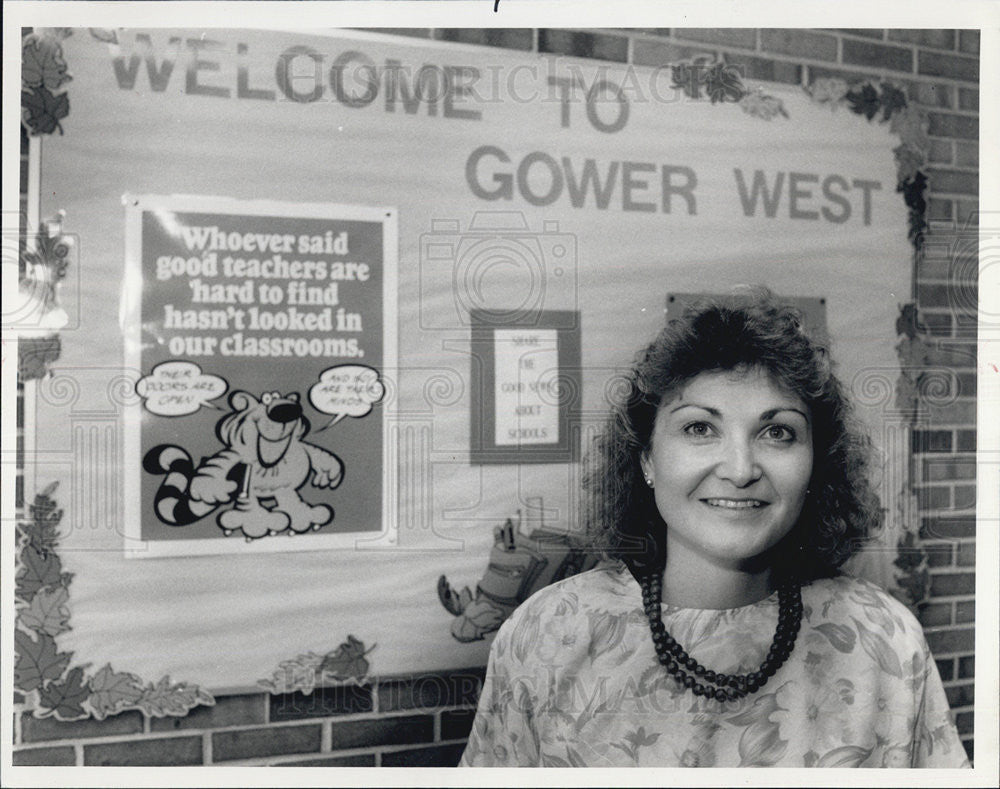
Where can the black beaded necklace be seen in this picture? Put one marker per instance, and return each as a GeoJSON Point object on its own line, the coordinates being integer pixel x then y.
{"type": "Point", "coordinates": [702, 681]}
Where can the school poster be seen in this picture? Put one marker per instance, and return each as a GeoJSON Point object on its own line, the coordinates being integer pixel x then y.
{"type": "Point", "coordinates": [260, 330]}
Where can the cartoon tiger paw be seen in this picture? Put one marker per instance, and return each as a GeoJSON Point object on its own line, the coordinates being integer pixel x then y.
{"type": "Point", "coordinates": [303, 516]}
{"type": "Point", "coordinates": [212, 489]}
{"type": "Point", "coordinates": [255, 523]}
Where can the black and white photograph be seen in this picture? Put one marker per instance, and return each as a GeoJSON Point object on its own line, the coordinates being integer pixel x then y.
{"type": "Point", "coordinates": [492, 384]}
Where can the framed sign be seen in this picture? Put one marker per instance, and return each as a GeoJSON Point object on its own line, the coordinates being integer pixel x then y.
{"type": "Point", "coordinates": [525, 387]}
{"type": "Point", "coordinates": [262, 331]}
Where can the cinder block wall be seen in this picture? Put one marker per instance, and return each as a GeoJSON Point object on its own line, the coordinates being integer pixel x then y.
{"type": "Point", "coordinates": [424, 720]}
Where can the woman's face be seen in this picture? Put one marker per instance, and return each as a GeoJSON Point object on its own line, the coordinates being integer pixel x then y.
{"type": "Point", "coordinates": [730, 459]}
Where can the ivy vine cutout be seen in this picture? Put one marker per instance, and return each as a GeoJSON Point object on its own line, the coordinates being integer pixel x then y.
{"type": "Point", "coordinates": [829, 91]}
{"type": "Point", "coordinates": [43, 673]}
{"type": "Point", "coordinates": [306, 672]}
{"type": "Point", "coordinates": [37, 312]}
{"type": "Point", "coordinates": [35, 356]}
{"type": "Point", "coordinates": [914, 578]}
{"type": "Point", "coordinates": [760, 105]}
{"type": "Point", "coordinates": [42, 62]}
{"type": "Point", "coordinates": [706, 76]}
{"type": "Point", "coordinates": [43, 74]}
{"type": "Point", "coordinates": [889, 104]}
{"type": "Point", "coordinates": [913, 351]}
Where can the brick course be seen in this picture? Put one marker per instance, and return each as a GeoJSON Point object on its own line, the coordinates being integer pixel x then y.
{"type": "Point", "coordinates": [864, 32]}
{"type": "Point", "coordinates": [965, 611]}
{"type": "Point", "coordinates": [265, 741]}
{"type": "Point", "coordinates": [355, 760]}
{"type": "Point", "coordinates": [159, 752]}
{"type": "Point", "coordinates": [880, 56]}
{"type": "Point", "coordinates": [507, 38]}
{"type": "Point", "coordinates": [456, 724]}
{"type": "Point", "coordinates": [954, 181]}
{"type": "Point", "coordinates": [383, 731]}
{"type": "Point", "coordinates": [932, 94]}
{"type": "Point", "coordinates": [966, 440]}
{"type": "Point", "coordinates": [648, 52]}
{"type": "Point", "coordinates": [943, 585]}
{"type": "Point", "coordinates": [967, 154]}
{"type": "Point", "coordinates": [948, 527]}
{"type": "Point", "coordinates": [968, 41]}
{"type": "Point", "coordinates": [447, 689]}
{"type": "Point", "coordinates": [942, 39]}
{"type": "Point", "coordinates": [745, 38]}
{"type": "Point", "coordinates": [954, 640]}
{"type": "Point", "coordinates": [38, 729]}
{"type": "Point", "coordinates": [337, 700]}
{"type": "Point", "coordinates": [816, 46]}
{"type": "Point", "coordinates": [227, 711]}
{"type": "Point", "coordinates": [587, 45]}
{"type": "Point", "coordinates": [437, 756]}
{"type": "Point", "coordinates": [960, 695]}
{"type": "Point", "coordinates": [63, 756]}
{"type": "Point", "coordinates": [935, 64]}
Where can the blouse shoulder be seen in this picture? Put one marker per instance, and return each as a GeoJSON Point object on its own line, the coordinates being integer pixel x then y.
{"type": "Point", "coordinates": [866, 607]}
{"type": "Point", "coordinates": [558, 607]}
{"type": "Point", "coordinates": [589, 588]}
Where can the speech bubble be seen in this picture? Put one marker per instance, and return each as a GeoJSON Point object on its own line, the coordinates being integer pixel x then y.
{"type": "Point", "coordinates": [179, 388]}
{"type": "Point", "coordinates": [346, 390]}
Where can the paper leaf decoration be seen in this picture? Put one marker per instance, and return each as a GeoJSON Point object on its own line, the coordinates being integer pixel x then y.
{"type": "Point", "coordinates": [47, 612]}
{"type": "Point", "coordinates": [165, 698]}
{"type": "Point", "coordinates": [40, 669]}
{"type": "Point", "coordinates": [112, 691]}
{"type": "Point", "coordinates": [347, 662]}
{"type": "Point", "coordinates": [37, 661]}
{"type": "Point", "coordinates": [42, 62]}
{"type": "Point", "coordinates": [64, 699]}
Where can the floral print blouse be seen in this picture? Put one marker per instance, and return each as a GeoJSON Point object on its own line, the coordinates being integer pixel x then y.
{"type": "Point", "coordinates": [573, 681]}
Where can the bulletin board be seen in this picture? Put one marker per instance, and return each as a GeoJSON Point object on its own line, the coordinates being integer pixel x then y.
{"type": "Point", "coordinates": [655, 181]}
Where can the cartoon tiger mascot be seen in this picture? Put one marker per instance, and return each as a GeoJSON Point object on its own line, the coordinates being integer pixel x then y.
{"type": "Point", "coordinates": [264, 463]}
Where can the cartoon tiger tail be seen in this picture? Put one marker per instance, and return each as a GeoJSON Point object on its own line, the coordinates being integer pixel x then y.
{"type": "Point", "coordinates": [173, 504]}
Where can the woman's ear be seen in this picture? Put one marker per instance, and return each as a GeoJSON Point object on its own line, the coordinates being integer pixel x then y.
{"type": "Point", "coordinates": [646, 465]}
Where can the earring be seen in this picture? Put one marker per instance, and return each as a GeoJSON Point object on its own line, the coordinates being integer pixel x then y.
{"type": "Point", "coordinates": [649, 481]}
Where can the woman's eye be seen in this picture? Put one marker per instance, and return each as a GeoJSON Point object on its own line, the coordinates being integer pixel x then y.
{"type": "Point", "coordinates": [698, 429]}
{"type": "Point", "coordinates": [779, 433]}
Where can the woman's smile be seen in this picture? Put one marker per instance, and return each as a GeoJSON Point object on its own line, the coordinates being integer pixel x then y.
{"type": "Point", "coordinates": [735, 504]}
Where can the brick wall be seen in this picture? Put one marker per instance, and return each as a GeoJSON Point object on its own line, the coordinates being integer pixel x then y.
{"type": "Point", "coordinates": [424, 720]}
{"type": "Point", "coordinates": [389, 722]}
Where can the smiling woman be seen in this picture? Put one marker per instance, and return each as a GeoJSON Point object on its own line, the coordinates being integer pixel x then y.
{"type": "Point", "coordinates": [728, 488]}
{"type": "Point", "coordinates": [729, 463]}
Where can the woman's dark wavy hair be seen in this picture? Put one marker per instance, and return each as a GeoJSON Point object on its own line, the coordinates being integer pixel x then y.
{"type": "Point", "coordinates": [744, 331]}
